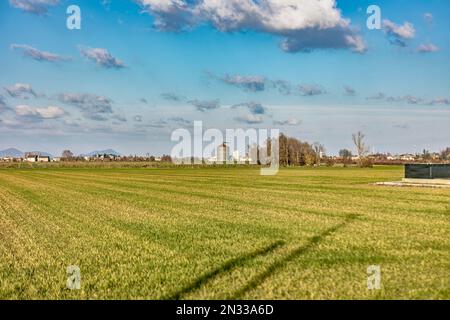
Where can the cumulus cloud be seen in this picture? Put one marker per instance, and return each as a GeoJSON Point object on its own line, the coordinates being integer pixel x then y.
{"type": "Point", "coordinates": [288, 122]}
{"type": "Point", "coordinates": [258, 83]}
{"type": "Point", "coordinates": [427, 48]}
{"type": "Point", "coordinates": [92, 107]}
{"type": "Point", "coordinates": [163, 123]}
{"type": "Point", "coordinates": [102, 57]}
{"type": "Point", "coordinates": [33, 6]}
{"type": "Point", "coordinates": [304, 25]}
{"type": "Point", "coordinates": [20, 90]}
{"type": "Point", "coordinates": [411, 99]}
{"type": "Point", "coordinates": [248, 83]}
{"type": "Point", "coordinates": [283, 86]}
{"type": "Point", "coordinates": [250, 118]}
{"type": "Point", "coordinates": [35, 54]}
{"type": "Point", "coordinates": [253, 107]}
{"type": "Point", "coordinates": [310, 90]}
{"type": "Point", "coordinates": [440, 101]}
{"type": "Point", "coordinates": [255, 83]}
{"type": "Point", "coordinates": [399, 34]}
{"type": "Point", "coordinates": [205, 105]}
{"type": "Point", "coordinates": [39, 113]}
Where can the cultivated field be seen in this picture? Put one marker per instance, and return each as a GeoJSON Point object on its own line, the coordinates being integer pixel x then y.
{"type": "Point", "coordinates": [173, 233]}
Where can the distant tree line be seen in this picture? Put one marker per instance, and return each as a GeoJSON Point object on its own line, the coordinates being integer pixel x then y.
{"type": "Point", "coordinates": [68, 156]}
{"type": "Point", "coordinates": [294, 152]}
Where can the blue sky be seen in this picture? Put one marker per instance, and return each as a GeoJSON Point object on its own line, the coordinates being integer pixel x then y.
{"type": "Point", "coordinates": [139, 69]}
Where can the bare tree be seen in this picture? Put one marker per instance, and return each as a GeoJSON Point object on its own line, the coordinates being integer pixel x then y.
{"type": "Point", "coordinates": [67, 154]}
{"type": "Point", "coordinates": [360, 144]}
{"type": "Point", "coordinates": [361, 148]}
{"type": "Point", "coordinates": [319, 149]}
{"type": "Point", "coordinates": [346, 156]}
{"type": "Point", "coordinates": [445, 154]}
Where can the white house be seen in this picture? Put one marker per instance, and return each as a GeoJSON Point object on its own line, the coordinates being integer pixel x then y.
{"type": "Point", "coordinates": [43, 159]}
{"type": "Point", "coordinates": [223, 153]}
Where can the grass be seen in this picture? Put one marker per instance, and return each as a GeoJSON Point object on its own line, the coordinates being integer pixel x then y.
{"type": "Point", "coordinates": [217, 233]}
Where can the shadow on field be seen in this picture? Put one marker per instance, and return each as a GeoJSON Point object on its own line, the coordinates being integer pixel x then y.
{"type": "Point", "coordinates": [229, 265]}
{"type": "Point", "coordinates": [256, 281]}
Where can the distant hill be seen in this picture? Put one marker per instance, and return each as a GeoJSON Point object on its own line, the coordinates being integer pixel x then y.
{"type": "Point", "coordinates": [15, 153]}
{"type": "Point", "coordinates": [107, 151]}
{"type": "Point", "coordinates": [11, 152]}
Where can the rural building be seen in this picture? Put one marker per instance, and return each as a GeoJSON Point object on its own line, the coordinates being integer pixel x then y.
{"type": "Point", "coordinates": [223, 153]}
{"type": "Point", "coordinates": [43, 159]}
{"type": "Point", "coordinates": [31, 158]}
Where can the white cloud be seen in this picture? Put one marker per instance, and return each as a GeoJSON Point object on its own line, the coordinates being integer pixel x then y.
{"type": "Point", "coordinates": [405, 31]}
{"type": "Point", "coordinates": [92, 107]}
{"type": "Point", "coordinates": [102, 57]}
{"type": "Point", "coordinates": [248, 83]}
{"type": "Point", "coordinates": [205, 105]}
{"type": "Point", "coordinates": [288, 122]}
{"type": "Point", "coordinates": [33, 6]}
{"type": "Point", "coordinates": [36, 54]}
{"type": "Point", "coordinates": [305, 25]}
{"type": "Point", "coordinates": [310, 90]}
{"type": "Point", "coordinates": [427, 48]}
{"type": "Point", "coordinates": [39, 113]}
{"type": "Point", "coordinates": [440, 101]}
{"type": "Point", "coordinates": [399, 33]}
{"type": "Point", "coordinates": [253, 107]}
{"type": "Point", "coordinates": [20, 90]}
{"type": "Point", "coordinates": [250, 118]}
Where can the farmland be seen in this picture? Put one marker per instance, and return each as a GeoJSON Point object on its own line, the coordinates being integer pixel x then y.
{"type": "Point", "coordinates": [221, 233]}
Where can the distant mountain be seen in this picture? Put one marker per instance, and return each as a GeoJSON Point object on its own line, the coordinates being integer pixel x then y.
{"type": "Point", "coordinates": [11, 152]}
{"type": "Point", "coordinates": [107, 151]}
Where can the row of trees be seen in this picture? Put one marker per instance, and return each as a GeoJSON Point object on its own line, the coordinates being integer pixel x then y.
{"type": "Point", "coordinates": [294, 152]}
{"type": "Point", "coordinates": [443, 155]}
{"type": "Point", "coordinates": [68, 155]}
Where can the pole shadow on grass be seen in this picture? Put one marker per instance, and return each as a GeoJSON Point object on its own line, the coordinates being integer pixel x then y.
{"type": "Point", "coordinates": [227, 266]}
{"type": "Point", "coordinates": [273, 268]}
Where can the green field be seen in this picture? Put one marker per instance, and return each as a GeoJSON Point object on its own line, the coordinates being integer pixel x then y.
{"type": "Point", "coordinates": [213, 233]}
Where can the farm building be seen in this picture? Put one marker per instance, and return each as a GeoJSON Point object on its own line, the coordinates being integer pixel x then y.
{"type": "Point", "coordinates": [223, 153]}
{"type": "Point", "coordinates": [31, 157]}
{"type": "Point", "coordinates": [43, 159]}
{"type": "Point", "coordinates": [36, 158]}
